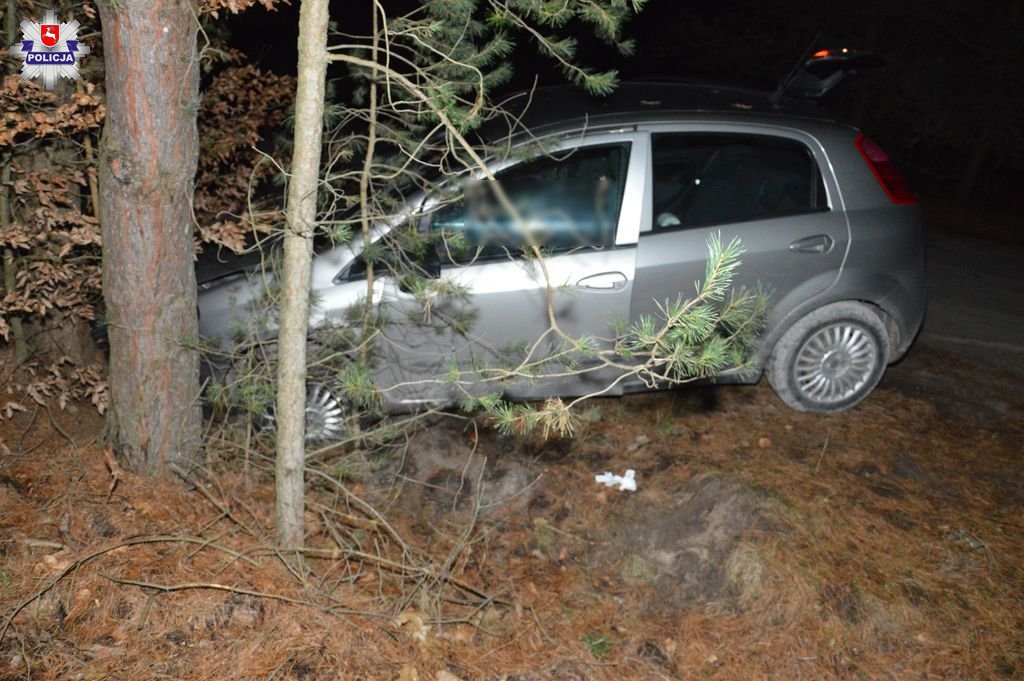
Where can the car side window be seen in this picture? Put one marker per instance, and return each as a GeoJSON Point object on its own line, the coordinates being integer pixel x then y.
{"type": "Point", "coordinates": [709, 179]}
{"type": "Point", "coordinates": [567, 200]}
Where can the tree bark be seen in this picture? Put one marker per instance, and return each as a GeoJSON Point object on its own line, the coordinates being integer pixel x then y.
{"type": "Point", "coordinates": [10, 266]}
{"type": "Point", "coordinates": [147, 165]}
{"type": "Point", "coordinates": [298, 255]}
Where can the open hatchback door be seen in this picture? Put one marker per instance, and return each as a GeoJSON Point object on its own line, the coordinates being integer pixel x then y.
{"type": "Point", "coordinates": [825, 69]}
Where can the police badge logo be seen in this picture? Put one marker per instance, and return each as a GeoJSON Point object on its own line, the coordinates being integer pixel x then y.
{"type": "Point", "coordinates": [50, 50]}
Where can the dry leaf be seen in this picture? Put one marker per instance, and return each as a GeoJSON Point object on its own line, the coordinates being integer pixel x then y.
{"type": "Point", "coordinates": [408, 673]}
{"type": "Point", "coordinates": [413, 623]}
{"type": "Point", "coordinates": [11, 407]}
{"type": "Point", "coordinates": [463, 633]}
{"type": "Point", "coordinates": [444, 675]}
{"type": "Point", "coordinates": [56, 562]}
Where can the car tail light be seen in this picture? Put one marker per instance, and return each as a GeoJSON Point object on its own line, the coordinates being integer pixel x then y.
{"type": "Point", "coordinates": [891, 179]}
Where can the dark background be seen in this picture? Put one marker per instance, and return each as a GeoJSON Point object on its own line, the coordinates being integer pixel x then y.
{"type": "Point", "coordinates": [947, 105]}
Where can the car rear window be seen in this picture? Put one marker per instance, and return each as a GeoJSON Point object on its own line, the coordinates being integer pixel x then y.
{"type": "Point", "coordinates": [709, 179]}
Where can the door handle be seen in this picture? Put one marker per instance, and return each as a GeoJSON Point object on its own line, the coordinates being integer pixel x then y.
{"type": "Point", "coordinates": [606, 281]}
{"type": "Point", "coordinates": [819, 243]}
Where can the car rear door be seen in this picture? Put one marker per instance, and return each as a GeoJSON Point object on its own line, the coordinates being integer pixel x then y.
{"type": "Point", "coordinates": [762, 184]}
{"type": "Point", "coordinates": [581, 202]}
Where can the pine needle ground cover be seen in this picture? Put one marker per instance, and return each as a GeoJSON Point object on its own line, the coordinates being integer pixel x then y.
{"type": "Point", "coordinates": [885, 542]}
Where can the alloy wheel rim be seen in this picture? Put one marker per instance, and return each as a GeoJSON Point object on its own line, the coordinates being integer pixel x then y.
{"type": "Point", "coordinates": [835, 363]}
{"type": "Point", "coordinates": [325, 415]}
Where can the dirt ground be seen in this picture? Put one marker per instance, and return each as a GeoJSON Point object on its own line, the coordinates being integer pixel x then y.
{"type": "Point", "coordinates": [885, 542]}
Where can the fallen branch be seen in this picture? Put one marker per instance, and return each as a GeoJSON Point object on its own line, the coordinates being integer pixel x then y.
{"type": "Point", "coordinates": [398, 568]}
{"type": "Point", "coordinates": [187, 586]}
{"type": "Point", "coordinates": [116, 473]}
{"type": "Point", "coordinates": [224, 508]}
{"type": "Point", "coordinates": [159, 539]}
{"type": "Point", "coordinates": [154, 587]}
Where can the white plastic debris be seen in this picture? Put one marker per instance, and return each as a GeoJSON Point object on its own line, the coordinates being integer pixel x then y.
{"type": "Point", "coordinates": [625, 483]}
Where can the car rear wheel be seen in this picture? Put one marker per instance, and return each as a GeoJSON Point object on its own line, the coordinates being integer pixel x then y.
{"type": "Point", "coordinates": [830, 359]}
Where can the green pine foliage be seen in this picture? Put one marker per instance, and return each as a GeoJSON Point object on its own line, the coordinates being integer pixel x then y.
{"type": "Point", "coordinates": [699, 338]}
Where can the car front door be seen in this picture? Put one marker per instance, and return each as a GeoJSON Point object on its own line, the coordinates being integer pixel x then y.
{"type": "Point", "coordinates": [580, 203]}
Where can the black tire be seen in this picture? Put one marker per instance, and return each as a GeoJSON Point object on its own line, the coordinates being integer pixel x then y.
{"type": "Point", "coordinates": [831, 359]}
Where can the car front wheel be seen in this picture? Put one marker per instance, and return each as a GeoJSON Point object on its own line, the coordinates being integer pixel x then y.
{"type": "Point", "coordinates": [326, 415]}
{"type": "Point", "coordinates": [249, 384]}
{"type": "Point", "coordinates": [830, 359]}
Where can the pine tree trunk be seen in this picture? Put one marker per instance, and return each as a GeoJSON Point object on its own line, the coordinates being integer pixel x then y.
{"type": "Point", "coordinates": [298, 255]}
{"type": "Point", "coordinates": [147, 166]}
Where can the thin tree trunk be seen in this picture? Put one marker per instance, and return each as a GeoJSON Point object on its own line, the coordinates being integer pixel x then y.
{"type": "Point", "coordinates": [60, 333]}
{"type": "Point", "coordinates": [10, 265]}
{"type": "Point", "coordinates": [298, 255]}
{"type": "Point", "coordinates": [10, 261]}
{"type": "Point", "coordinates": [147, 165]}
{"type": "Point", "coordinates": [364, 191]}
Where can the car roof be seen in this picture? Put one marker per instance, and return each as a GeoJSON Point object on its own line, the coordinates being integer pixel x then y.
{"type": "Point", "coordinates": [547, 109]}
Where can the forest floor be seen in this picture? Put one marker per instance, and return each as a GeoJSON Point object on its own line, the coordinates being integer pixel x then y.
{"type": "Point", "coordinates": [886, 542]}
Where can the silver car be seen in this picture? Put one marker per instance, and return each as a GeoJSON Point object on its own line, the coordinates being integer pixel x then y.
{"type": "Point", "coordinates": [624, 198]}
